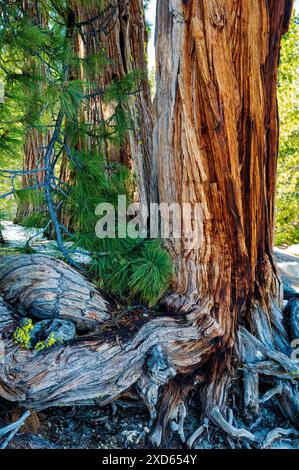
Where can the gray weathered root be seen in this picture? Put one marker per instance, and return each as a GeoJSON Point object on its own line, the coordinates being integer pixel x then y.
{"type": "Point", "coordinates": [161, 361]}
{"type": "Point", "coordinates": [12, 430]}
{"type": "Point", "coordinates": [48, 288]}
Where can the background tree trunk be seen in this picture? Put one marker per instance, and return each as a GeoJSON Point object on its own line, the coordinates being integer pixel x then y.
{"type": "Point", "coordinates": [35, 140]}
{"type": "Point", "coordinates": [119, 30]}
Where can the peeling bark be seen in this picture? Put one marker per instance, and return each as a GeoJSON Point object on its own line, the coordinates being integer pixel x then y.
{"type": "Point", "coordinates": [216, 145]}
{"type": "Point", "coordinates": [216, 140]}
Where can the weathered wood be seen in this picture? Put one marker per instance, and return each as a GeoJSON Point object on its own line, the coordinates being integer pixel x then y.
{"type": "Point", "coordinates": [6, 318]}
{"type": "Point", "coordinates": [90, 369]}
{"type": "Point", "coordinates": [42, 288]}
{"type": "Point", "coordinates": [162, 359]}
{"type": "Point", "coordinates": [95, 370]}
{"type": "Point", "coordinates": [215, 141]}
{"type": "Point", "coordinates": [292, 310]}
{"type": "Point", "coordinates": [277, 434]}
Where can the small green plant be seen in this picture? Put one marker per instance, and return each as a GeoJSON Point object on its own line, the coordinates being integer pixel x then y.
{"type": "Point", "coordinates": [22, 334]}
{"type": "Point", "coordinates": [50, 341]}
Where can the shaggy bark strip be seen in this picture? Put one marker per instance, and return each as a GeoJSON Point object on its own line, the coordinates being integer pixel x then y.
{"type": "Point", "coordinates": [216, 144]}
{"type": "Point", "coordinates": [216, 141]}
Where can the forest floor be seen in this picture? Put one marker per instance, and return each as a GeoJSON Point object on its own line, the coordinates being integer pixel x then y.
{"type": "Point", "coordinates": [104, 428]}
{"type": "Point", "coordinates": [124, 426]}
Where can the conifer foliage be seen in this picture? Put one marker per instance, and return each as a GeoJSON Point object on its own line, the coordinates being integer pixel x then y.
{"type": "Point", "coordinates": [49, 89]}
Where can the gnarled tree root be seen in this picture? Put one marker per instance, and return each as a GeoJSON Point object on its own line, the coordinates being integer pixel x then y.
{"type": "Point", "coordinates": [278, 433]}
{"type": "Point", "coordinates": [162, 360]}
{"type": "Point", "coordinates": [12, 430]}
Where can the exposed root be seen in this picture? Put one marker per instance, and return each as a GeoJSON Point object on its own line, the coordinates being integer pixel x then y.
{"type": "Point", "coordinates": [216, 416]}
{"type": "Point", "coordinates": [278, 433]}
{"type": "Point", "coordinates": [172, 411]}
{"type": "Point", "coordinates": [289, 403]}
{"type": "Point", "coordinates": [292, 310]}
{"type": "Point", "coordinates": [197, 434]}
{"type": "Point", "coordinates": [12, 429]}
{"type": "Point", "coordinates": [157, 373]}
{"type": "Point", "coordinates": [271, 393]}
{"type": "Point", "coordinates": [44, 288]}
{"type": "Point", "coordinates": [250, 343]}
{"type": "Point", "coordinates": [177, 425]}
{"type": "Point", "coordinates": [251, 394]}
{"type": "Point", "coordinates": [163, 360]}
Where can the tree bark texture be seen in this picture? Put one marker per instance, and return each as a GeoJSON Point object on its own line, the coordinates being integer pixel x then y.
{"type": "Point", "coordinates": [120, 31]}
{"type": "Point", "coordinates": [96, 368]}
{"type": "Point", "coordinates": [35, 140]}
{"type": "Point", "coordinates": [216, 141]}
{"type": "Point", "coordinates": [158, 360]}
{"type": "Point", "coordinates": [216, 146]}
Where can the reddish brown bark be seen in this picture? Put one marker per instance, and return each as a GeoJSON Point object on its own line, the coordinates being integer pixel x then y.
{"type": "Point", "coordinates": [122, 35]}
{"type": "Point", "coordinates": [216, 141]}
{"type": "Point", "coordinates": [35, 140]}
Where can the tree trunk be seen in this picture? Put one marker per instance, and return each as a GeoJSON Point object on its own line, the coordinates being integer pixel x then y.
{"type": "Point", "coordinates": [216, 144]}
{"type": "Point", "coordinates": [216, 141]}
{"type": "Point", "coordinates": [217, 106]}
{"type": "Point", "coordinates": [120, 31]}
{"type": "Point", "coordinates": [35, 140]}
